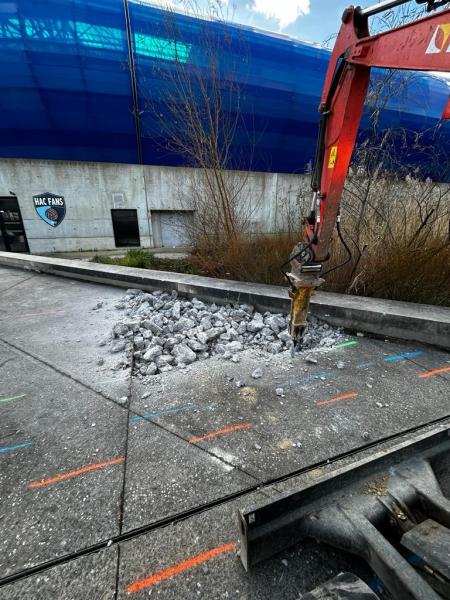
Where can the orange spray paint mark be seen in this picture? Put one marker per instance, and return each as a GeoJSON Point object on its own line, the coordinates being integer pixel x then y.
{"type": "Point", "coordinates": [434, 372]}
{"type": "Point", "coordinates": [195, 561]}
{"type": "Point", "coordinates": [80, 471]}
{"type": "Point", "coordinates": [338, 398]}
{"type": "Point", "coordinates": [223, 431]}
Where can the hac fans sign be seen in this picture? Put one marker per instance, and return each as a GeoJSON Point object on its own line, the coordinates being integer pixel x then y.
{"type": "Point", "coordinates": [50, 207]}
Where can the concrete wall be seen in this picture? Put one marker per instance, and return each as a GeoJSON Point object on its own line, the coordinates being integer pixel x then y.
{"type": "Point", "coordinates": [91, 190]}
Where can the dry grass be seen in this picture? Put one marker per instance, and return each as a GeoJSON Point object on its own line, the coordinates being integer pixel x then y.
{"type": "Point", "coordinates": [399, 272]}
{"type": "Point", "coordinates": [255, 258]}
{"type": "Point", "coordinates": [396, 272]}
{"type": "Point", "coordinates": [399, 237]}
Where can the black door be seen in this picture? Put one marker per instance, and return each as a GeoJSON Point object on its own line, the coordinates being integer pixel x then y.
{"type": "Point", "coordinates": [126, 227]}
{"type": "Point", "coordinates": [12, 232]}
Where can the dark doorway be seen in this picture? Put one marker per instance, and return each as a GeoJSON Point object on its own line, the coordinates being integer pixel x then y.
{"type": "Point", "coordinates": [12, 232]}
{"type": "Point", "coordinates": [126, 227]}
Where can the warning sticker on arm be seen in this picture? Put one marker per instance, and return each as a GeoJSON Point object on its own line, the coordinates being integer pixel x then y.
{"type": "Point", "coordinates": [333, 157]}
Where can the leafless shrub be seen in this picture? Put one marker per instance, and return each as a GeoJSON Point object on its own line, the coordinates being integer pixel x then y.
{"type": "Point", "coordinates": [199, 114]}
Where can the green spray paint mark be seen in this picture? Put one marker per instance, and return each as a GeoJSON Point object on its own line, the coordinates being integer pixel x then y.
{"type": "Point", "coordinates": [12, 398]}
{"type": "Point", "coordinates": [346, 344]}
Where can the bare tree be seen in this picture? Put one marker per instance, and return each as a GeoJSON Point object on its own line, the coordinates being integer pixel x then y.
{"type": "Point", "coordinates": [199, 116]}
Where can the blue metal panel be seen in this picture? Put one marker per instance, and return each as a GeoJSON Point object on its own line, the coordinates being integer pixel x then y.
{"type": "Point", "coordinates": [280, 82]}
{"type": "Point", "coordinates": [65, 86]}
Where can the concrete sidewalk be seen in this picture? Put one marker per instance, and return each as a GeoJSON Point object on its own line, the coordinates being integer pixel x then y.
{"type": "Point", "coordinates": [109, 489]}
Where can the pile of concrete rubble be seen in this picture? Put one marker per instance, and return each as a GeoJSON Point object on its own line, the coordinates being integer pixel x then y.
{"type": "Point", "coordinates": [160, 331]}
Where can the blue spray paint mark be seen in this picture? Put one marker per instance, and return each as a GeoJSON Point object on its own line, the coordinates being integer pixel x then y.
{"type": "Point", "coordinates": [15, 447]}
{"type": "Point", "coordinates": [403, 356]}
{"type": "Point", "coordinates": [364, 365]}
{"type": "Point", "coordinates": [166, 411]}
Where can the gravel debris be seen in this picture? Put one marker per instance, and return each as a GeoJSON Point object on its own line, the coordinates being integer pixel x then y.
{"type": "Point", "coordinates": [161, 332]}
{"type": "Point", "coordinates": [311, 360]}
{"type": "Point", "coordinates": [257, 373]}
{"type": "Point", "coordinates": [280, 392]}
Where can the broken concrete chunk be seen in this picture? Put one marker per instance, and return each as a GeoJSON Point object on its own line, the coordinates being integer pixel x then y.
{"type": "Point", "coordinates": [255, 325]}
{"type": "Point", "coordinates": [152, 369]}
{"type": "Point", "coordinates": [196, 346]}
{"type": "Point", "coordinates": [164, 360]}
{"type": "Point", "coordinates": [274, 347]}
{"type": "Point", "coordinates": [183, 354]}
{"type": "Point", "coordinates": [311, 360]}
{"type": "Point", "coordinates": [120, 329]}
{"type": "Point", "coordinates": [152, 353]}
{"type": "Point", "coordinates": [233, 347]}
{"type": "Point", "coordinates": [118, 346]}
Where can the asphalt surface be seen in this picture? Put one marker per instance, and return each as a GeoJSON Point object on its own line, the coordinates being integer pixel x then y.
{"type": "Point", "coordinates": [105, 493]}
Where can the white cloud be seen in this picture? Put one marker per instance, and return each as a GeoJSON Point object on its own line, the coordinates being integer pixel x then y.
{"type": "Point", "coordinates": [284, 11]}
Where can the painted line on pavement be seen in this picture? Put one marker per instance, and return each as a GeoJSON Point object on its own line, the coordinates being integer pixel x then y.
{"type": "Point", "coordinates": [338, 398]}
{"type": "Point", "coordinates": [434, 372]}
{"type": "Point", "coordinates": [15, 447]}
{"type": "Point", "coordinates": [11, 398]}
{"type": "Point", "coordinates": [80, 471]}
{"type": "Point", "coordinates": [404, 356]}
{"type": "Point", "coordinates": [219, 432]}
{"type": "Point", "coordinates": [190, 563]}
{"type": "Point", "coordinates": [346, 344]}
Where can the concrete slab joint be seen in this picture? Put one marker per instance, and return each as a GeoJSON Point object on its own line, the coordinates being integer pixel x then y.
{"type": "Point", "coordinates": [402, 320]}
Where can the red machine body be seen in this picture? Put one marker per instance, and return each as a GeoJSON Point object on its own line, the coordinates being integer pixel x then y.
{"type": "Point", "coordinates": [422, 45]}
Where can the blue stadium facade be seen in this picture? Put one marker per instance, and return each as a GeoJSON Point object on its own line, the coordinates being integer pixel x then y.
{"type": "Point", "coordinates": [67, 91]}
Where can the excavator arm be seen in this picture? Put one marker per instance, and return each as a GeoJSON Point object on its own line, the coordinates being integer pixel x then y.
{"type": "Point", "coordinates": [422, 45]}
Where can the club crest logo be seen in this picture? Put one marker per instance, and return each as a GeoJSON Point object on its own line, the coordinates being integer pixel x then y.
{"type": "Point", "coordinates": [50, 207]}
{"type": "Point", "coordinates": [440, 42]}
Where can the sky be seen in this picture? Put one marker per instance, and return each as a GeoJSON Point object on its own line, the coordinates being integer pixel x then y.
{"type": "Point", "coordinates": [309, 20]}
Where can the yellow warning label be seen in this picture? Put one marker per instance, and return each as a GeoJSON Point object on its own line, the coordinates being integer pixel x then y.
{"type": "Point", "coordinates": [333, 157]}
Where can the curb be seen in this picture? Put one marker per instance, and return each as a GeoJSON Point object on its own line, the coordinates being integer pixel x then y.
{"type": "Point", "coordinates": [385, 318]}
